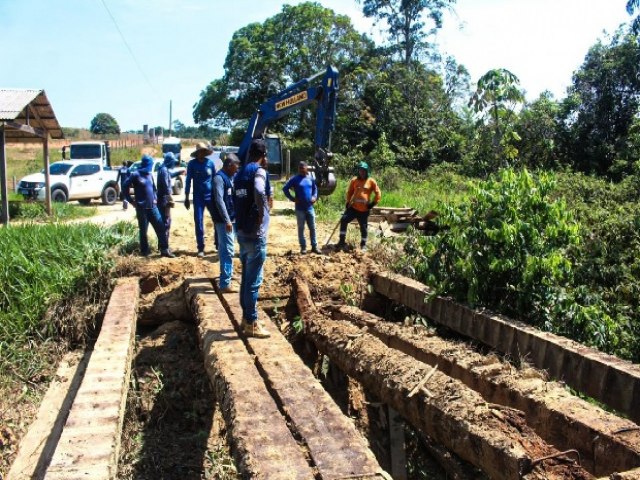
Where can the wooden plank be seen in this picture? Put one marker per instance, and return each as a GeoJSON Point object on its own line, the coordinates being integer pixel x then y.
{"type": "Point", "coordinates": [613, 381]}
{"type": "Point", "coordinates": [335, 445]}
{"type": "Point", "coordinates": [39, 443]}
{"type": "Point", "coordinates": [84, 450]}
{"type": "Point", "coordinates": [261, 443]}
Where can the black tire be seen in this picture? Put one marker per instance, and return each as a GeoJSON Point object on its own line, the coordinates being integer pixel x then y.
{"type": "Point", "coordinates": [58, 195]}
{"type": "Point", "coordinates": [85, 201]}
{"type": "Point", "coordinates": [178, 186]}
{"type": "Point", "coordinates": [109, 195]}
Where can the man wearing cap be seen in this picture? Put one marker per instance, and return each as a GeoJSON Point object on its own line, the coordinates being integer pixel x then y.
{"type": "Point", "coordinates": [251, 202]}
{"type": "Point", "coordinates": [201, 170]}
{"type": "Point", "coordinates": [224, 219]}
{"type": "Point", "coordinates": [358, 204]}
{"type": "Point", "coordinates": [306, 194]}
{"type": "Point", "coordinates": [147, 206]}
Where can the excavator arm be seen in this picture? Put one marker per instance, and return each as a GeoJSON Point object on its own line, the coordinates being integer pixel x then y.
{"type": "Point", "coordinates": [321, 88]}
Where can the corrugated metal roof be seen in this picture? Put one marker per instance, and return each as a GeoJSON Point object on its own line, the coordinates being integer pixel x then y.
{"type": "Point", "coordinates": [28, 107]}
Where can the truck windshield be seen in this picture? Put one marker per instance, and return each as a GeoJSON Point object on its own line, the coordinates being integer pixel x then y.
{"type": "Point", "coordinates": [59, 168]}
{"type": "Point", "coordinates": [85, 152]}
{"type": "Point", "coordinates": [171, 147]}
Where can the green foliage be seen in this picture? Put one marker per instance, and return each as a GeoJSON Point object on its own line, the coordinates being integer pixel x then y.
{"type": "Point", "coordinates": [405, 22]}
{"type": "Point", "coordinates": [505, 249]}
{"type": "Point", "coordinates": [602, 106]}
{"type": "Point", "coordinates": [103, 124]}
{"type": "Point", "coordinates": [382, 156]}
{"type": "Point", "coordinates": [40, 265]}
{"type": "Point", "coordinates": [21, 210]}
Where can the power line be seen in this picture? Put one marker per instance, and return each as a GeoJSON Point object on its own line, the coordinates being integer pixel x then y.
{"type": "Point", "coordinates": [124, 40]}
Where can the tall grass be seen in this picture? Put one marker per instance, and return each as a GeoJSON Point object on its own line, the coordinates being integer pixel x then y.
{"type": "Point", "coordinates": [39, 266]}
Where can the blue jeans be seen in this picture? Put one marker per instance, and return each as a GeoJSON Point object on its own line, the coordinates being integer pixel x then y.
{"type": "Point", "coordinates": [225, 252]}
{"type": "Point", "coordinates": [198, 217]}
{"type": "Point", "coordinates": [165, 215]}
{"type": "Point", "coordinates": [309, 217]}
{"type": "Point", "coordinates": [151, 216]}
{"type": "Point", "coordinates": [253, 252]}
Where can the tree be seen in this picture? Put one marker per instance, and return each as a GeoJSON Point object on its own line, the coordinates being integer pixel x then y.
{"type": "Point", "coordinates": [103, 124]}
{"type": "Point", "coordinates": [263, 58]}
{"type": "Point", "coordinates": [496, 97]}
{"type": "Point", "coordinates": [539, 126]}
{"type": "Point", "coordinates": [409, 105]}
{"type": "Point", "coordinates": [602, 105]}
{"type": "Point", "coordinates": [405, 22]}
{"type": "Point", "coordinates": [632, 7]}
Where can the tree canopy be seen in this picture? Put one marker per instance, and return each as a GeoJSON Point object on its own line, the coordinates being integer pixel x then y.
{"type": "Point", "coordinates": [103, 123]}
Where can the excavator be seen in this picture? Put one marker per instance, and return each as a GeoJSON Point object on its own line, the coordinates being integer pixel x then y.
{"type": "Point", "coordinates": [321, 88]}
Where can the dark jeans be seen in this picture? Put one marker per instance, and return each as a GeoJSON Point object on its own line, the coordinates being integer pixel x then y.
{"type": "Point", "coordinates": [151, 216]}
{"type": "Point", "coordinates": [165, 215]}
{"type": "Point", "coordinates": [363, 219]}
{"type": "Point", "coordinates": [199, 207]}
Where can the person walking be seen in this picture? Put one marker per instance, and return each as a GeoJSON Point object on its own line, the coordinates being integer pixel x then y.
{"type": "Point", "coordinates": [201, 170]}
{"type": "Point", "coordinates": [224, 219]}
{"type": "Point", "coordinates": [165, 200]}
{"type": "Point", "coordinates": [147, 206]}
{"type": "Point", "coordinates": [251, 201]}
{"type": "Point", "coordinates": [359, 204]}
{"type": "Point", "coordinates": [306, 194]}
{"type": "Point", "coordinates": [123, 174]}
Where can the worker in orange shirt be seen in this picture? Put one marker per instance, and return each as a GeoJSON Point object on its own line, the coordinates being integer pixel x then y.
{"type": "Point", "coordinates": [358, 204]}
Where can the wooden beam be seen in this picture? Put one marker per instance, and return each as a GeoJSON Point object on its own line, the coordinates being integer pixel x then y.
{"type": "Point", "coordinates": [38, 132]}
{"type": "Point", "coordinates": [3, 180]}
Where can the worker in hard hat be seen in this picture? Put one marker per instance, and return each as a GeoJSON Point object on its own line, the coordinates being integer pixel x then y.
{"type": "Point", "coordinates": [359, 203]}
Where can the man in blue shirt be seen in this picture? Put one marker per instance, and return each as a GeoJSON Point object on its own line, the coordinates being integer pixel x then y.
{"type": "Point", "coordinates": [165, 200]}
{"type": "Point", "coordinates": [201, 170]}
{"type": "Point", "coordinates": [306, 194]}
{"type": "Point", "coordinates": [251, 202]}
{"type": "Point", "coordinates": [224, 218]}
{"type": "Point", "coordinates": [147, 206]}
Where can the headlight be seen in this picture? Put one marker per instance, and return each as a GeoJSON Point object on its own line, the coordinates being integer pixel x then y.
{"type": "Point", "coordinates": [40, 185]}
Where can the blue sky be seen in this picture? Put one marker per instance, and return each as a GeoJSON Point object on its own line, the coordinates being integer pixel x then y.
{"type": "Point", "coordinates": [173, 48]}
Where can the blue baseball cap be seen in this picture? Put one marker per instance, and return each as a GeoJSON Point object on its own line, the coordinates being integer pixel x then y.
{"type": "Point", "coordinates": [146, 164]}
{"type": "Point", "coordinates": [169, 159]}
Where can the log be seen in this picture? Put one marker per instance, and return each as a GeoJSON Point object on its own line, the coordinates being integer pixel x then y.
{"type": "Point", "coordinates": [499, 443]}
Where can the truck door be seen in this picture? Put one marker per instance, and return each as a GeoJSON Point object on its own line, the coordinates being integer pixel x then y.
{"type": "Point", "coordinates": [84, 181]}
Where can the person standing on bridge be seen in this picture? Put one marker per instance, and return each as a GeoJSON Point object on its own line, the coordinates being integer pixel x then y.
{"type": "Point", "coordinates": [251, 203]}
{"type": "Point", "coordinates": [165, 200]}
{"type": "Point", "coordinates": [359, 204]}
{"type": "Point", "coordinates": [201, 170]}
{"type": "Point", "coordinates": [224, 218]}
{"type": "Point", "coordinates": [306, 194]}
{"type": "Point", "coordinates": [147, 206]}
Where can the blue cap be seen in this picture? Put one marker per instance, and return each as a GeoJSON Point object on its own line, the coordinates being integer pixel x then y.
{"type": "Point", "coordinates": [169, 159]}
{"type": "Point", "coordinates": [146, 164]}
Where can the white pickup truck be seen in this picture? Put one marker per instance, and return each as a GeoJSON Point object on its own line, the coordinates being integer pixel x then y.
{"type": "Point", "coordinates": [73, 180]}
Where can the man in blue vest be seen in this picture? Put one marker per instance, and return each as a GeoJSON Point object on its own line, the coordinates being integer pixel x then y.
{"type": "Point", "coordinates": [251, 201]}
{"type": "Point", "coordinates": [201, 170]}
{"type": "Point", "coordinates": [147, 207]}
{"type": "Point", "coordinates": [224, 219]}
{"type": "Point", "coordinates": [306, 194]}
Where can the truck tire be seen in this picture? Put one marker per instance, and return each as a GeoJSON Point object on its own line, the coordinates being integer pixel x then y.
{"type": "Point", "coordinates": [84, 201]}
{"type": "Point", "coordinates": [109, 195]}
{"type": "Point", "coordinates": [178, 186]}
{"type": "Point", "coordinates": [58, 195]}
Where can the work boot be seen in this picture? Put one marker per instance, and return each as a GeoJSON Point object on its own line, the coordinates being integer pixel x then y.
{"type": "Point", "coordinates": [255, 330]}
{"type": "Point", "coordinates": [200, 253]}
{"type": "Point", "coordinates": [315, 250]}
{"type": "Point", "coordinates": [303, 251]}
{"type": "Point", "coordinates": [229, 289]}
{"type": "Point", "coordinates": [167, 253]}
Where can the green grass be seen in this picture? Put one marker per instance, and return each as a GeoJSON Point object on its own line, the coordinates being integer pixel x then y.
{"type": "Point", "coordinates": [22, 210]}
{"type": "Point", "coordinates": [39, 266]}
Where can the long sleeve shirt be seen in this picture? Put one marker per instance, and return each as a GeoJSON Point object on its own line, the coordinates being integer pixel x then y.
{"type": "Point", "coordinates": [223, 198]}
{"type": "Point", "coordinates": [143, 188]}
{"type": "Point", "coordinates": [164, 187]}
{"type": "Point", "coordinates": [305, 189]}
{"type": "Point", "coordinates": [201, 173]}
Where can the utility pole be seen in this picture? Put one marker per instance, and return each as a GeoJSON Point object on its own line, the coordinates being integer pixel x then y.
{"type": "Point", "coordinates": [170, 114]}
